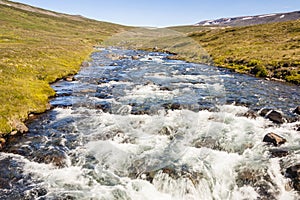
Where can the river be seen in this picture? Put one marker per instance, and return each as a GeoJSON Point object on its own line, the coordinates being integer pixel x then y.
{"type": "Point", "coordinates": [136, 125]}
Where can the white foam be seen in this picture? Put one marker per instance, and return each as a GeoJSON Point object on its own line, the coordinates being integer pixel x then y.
{"type": "Point", "coordinates": [136, 141]}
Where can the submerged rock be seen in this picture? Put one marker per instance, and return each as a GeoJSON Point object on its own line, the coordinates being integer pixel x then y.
{"type": "Point", "coordinates": [176, 174]}
{"type": "Point", "coordinates": [275, 139]}
{"type": "Point", "coordinates": [56, 157]}
{"type": "Point", "coordinates": [293, 172]}
{"type": "Point", "coordinates": [207, 142]}
{"type": "Point", "coordinates": [279, 152]}
{"type": "Point", "coordinates": [250, 114]}
{"type": "Point", "coordinates": [297, 110]}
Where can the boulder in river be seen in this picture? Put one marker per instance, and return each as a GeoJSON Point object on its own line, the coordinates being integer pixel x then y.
{"type": "Point", "coordinates": [275, 117]}
{"type": "Point", "coordinates": [293, 172]}
{"type": "Point", "coordinates": [274, 139]}
{"type": "Point", "coordinates": [272, 115]}
{"type": "Point", "coordinates": [264, 112]}
{"type": "Point", "coordinates": [297, 110]}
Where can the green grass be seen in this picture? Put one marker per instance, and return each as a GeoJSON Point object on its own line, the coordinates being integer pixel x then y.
{"type": "Point", "coordinates": [37, 49]}
{"type": "Point", "coordinates": [269, 50]}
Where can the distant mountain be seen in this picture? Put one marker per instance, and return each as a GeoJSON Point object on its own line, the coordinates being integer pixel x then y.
{"type": "Point", "coordinates": [252, 20]}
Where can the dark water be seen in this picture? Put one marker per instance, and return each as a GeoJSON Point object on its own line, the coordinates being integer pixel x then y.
{"type": "Point", "coordinates": [135, 125]}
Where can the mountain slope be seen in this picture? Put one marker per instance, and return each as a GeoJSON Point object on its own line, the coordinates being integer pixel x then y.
{"type": "Point", "coordinates": [38, 47]}
{"type": "Point", "coordinates": [252, 20]}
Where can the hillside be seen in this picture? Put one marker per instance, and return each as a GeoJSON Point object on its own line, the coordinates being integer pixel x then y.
{"type": "Point", "coordinates": [252, 20]}
{"type": "Point", "coordinates": [269, 50]}
{"type": "Point", "coordinates": [38, 47]}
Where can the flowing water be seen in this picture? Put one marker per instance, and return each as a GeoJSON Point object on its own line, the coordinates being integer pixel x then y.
{"type": "Point", "coordinates": [135, 125]}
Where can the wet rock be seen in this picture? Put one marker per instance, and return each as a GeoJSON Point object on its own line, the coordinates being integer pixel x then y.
{"type": "Point", "coordinates": [69, 78]}
{"type": "Point", "coordinates": [134, 57]}
{"type": "Point", "coordinates": [116, 57]}
{"type": "Point", "coordinates": [2, 142]}
{"type": "Point", "coordinates": [258, 179]}
{"type": "Point", "coordinates": [297, 110]}
{"type": "Point", "coordinates": [275, 117]}
{"type": "Point", "coordinates": [279, 152]}
{"type": "Point", "coordinates": [293, 173]}
{"type": "Point", "coordinates": [104, 106]}
{"type": "Point", "coordinates": [274, 139]}
{"type": "Point", "coordinates": [172, 106]}
{"type": "Point", "coordinates": [250, 114]}
{"type": "Point", "coordinates": [173, 173]}
{"type": "Point", "coordinates": [55, 157]}
{"type": "Point", "coordinates": [264, 112]}
{"type": "Point", "coordinates": [207, 142]}
{"type": "Point", "coordinates": [247, 177]}
{"type": "Point", "coordinates": [165, 89]}
{"type": "Point", "coordinates": [166, 130]}
{"type": "Point", "coordinates": [35, 193]}
{"type": "Point", "coordinates": [113, 64]}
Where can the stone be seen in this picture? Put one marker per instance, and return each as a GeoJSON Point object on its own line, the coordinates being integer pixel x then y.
{"type": "Point", "coordinates": [166, 130]}
{"type": "Point", "coordinates": [293, 172]}
{"type": "Point", "coordinates": [13, 132]}
{"type": "Point", "coordinates": [297, 110]}
{"type": "Point", "coordinates": [264, 112]}
{"type": "Point", "coordinates": [207, 142]}
{"type": "Point", "coordinates": [275, 117]}
{"type": "Point", "coordinates": [69, 78]}
{"type": "Point", "coordinates": [113, 64]}
{"type": "Point", "coordinates": [19, 126]}
{"type": "Point", "coordinates": [250, 114]}
{"type": "Point", "coordinates": [165, 89]}
{"type": "Point", "coordinates": [134, 57]}
{"type": "Point", "coordinates": [2, 142]}
{"type": "Point", "coordinates": [279, 153]}
{"type": "Point", "coordinates": [274, 139]}
{"type": "Point", "coordinates": [55, 157]}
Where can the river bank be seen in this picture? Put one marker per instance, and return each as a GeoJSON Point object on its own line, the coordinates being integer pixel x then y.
{"type": "Point", "coordinates": [36, 49]}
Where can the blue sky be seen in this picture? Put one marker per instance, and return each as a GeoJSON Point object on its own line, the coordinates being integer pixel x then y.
{"type": "Point", "coordinates": [159, 13]}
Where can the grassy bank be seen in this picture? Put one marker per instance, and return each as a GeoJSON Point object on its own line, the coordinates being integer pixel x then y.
{"type": "Point", "coordinates": [37, 48]}
{"type": "Point", "coordinates": [269, 50]}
